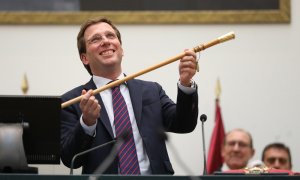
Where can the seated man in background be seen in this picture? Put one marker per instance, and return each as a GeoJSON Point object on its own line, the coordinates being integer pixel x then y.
{"type": "Point", "coordinates": [278, 156]}
{"type": "Point", "coordinates": [237, 149]}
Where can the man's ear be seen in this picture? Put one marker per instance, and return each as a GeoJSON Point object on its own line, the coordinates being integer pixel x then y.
{"type": "Point", "coordinates": [84, 59]}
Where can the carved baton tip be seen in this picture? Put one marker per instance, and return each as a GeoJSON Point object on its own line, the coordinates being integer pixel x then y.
{"type": "Point", "coordinates": [227, 37]}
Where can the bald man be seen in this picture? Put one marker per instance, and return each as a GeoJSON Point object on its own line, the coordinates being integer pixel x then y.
{"type": "Point", "coordinates": [237, 149]}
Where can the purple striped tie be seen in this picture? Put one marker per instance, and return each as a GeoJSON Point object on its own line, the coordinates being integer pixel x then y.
{"type": "Point", "coordinates": [128, 161]}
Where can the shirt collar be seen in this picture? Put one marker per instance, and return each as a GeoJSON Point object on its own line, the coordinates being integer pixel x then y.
{"type": "Point", "coordinates": [101, 81]}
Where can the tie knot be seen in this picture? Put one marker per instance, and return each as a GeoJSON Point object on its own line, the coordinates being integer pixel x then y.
{"type": "Point", "coordinates": [114, 87]}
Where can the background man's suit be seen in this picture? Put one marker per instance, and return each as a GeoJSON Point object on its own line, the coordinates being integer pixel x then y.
{"type": "Point", "coordinates": [153, 110]}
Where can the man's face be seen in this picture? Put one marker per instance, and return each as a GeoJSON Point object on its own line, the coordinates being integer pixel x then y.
{"type": "Point", "coordinates": [103, 49]}
{"type": "Point", "coordinates": [277, 158]}
{"type": "Point", "coordinates": [237, 151]}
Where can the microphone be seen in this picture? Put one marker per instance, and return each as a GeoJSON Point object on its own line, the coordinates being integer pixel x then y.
{"type": "Point", "coordinates": [124, 137]}
{"type": "Point", "coordinates": [87, 151]}
{"type": "Point", "coordinates": [108, 160]}
{"type": "Point", "coordinates": [203, 118]}
{"type": "Point", "coordinates": [164, 135]}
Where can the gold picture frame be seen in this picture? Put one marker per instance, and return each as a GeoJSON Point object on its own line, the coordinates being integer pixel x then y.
{"type": "Point", "coordinates": [281, 15]}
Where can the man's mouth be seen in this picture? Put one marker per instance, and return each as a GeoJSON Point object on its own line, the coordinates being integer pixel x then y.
{"type": "Point", "coordinates": [107, 52]}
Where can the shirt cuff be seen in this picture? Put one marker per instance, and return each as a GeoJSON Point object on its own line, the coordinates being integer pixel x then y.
{"type": "Point", "coordinates": [90, 130]}
{"type": "Point", "coordinates": [188, 90]}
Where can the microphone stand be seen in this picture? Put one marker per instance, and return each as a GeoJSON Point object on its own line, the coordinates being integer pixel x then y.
{"type": "Point", "coordinates": [108, 160]}
{"type": "Point", "coordinates": [203, 118]}
{"type": "Point", "coordinates": [87, 151]}
{"type": "Point", "coordinates": [111, 156]}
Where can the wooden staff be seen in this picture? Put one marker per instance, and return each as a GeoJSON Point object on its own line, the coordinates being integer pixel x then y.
{"type": "Point", "coordinates": [198, 48]}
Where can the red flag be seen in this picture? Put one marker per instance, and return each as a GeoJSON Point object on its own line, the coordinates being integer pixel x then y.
{"type": "Point", "coordinates": [215, 160]}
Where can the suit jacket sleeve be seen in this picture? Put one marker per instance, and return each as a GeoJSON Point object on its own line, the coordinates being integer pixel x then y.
{"type": "Point", "coordinates": [185, 118]}
{"type": "Point", "coordinates": [73, 137]}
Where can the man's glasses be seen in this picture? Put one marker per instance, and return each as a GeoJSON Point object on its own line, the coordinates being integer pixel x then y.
{"type": "Point", "coordinates": [239, 143]}
{"type": "Point", "coordinates": [97, 38]}
{"type": "Point", "coordinates": [272, 160]}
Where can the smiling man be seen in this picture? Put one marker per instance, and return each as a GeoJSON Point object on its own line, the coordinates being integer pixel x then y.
{"type": "Point", "coordinates": [140, 108]}
{"type": "Point", "coordinates": [237, 149]}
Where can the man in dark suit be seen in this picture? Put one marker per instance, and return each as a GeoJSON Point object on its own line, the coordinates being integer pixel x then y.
{"type": "Point", "coordinates": [93, 121]}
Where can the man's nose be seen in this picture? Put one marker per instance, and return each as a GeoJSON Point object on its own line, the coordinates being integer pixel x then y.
{"type": "Point", "coordinates": [104, 40]}
{"type": "Point", "coordinates": [236, 146]}
{"type": "Point", "coordinates": [277, 164]}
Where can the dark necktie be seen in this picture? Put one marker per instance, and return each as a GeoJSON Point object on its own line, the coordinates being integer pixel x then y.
{"type": "Point", "coordinates": [128, 161]}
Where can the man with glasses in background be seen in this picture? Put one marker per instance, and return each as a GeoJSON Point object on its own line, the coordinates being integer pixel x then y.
{"type": "Point", "coordinates": [237, 149]}
{"type": "Point", "coordinates": [278, 156]}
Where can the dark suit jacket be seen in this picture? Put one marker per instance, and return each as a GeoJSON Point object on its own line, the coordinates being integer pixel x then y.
{"type": "Point", "coordinates": [153, 111]}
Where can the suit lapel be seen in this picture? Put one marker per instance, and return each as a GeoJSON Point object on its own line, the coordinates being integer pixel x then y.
{"type": "Point", "coordinates": [135, 90]}
{"type": "Point", "coordinates": [103, 114]}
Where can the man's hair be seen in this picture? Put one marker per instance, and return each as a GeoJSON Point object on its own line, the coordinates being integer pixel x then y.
{"type": "Point", "coordinates": [241, 130]}
{"type": "Point", "coordinates": [80, 37]}
{"type": "Point", "coordinates": [277, 145]}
